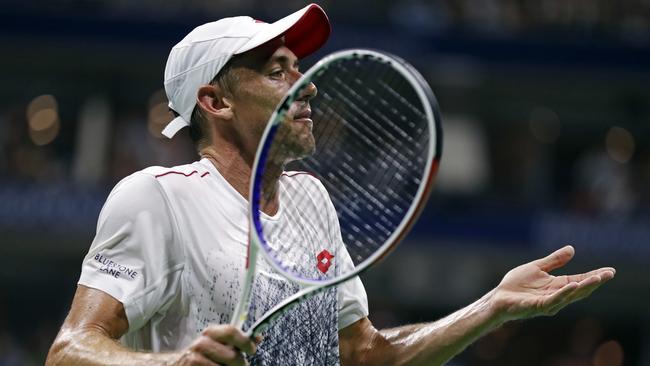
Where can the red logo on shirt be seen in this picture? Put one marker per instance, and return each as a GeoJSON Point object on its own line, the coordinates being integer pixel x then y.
{"type": "Point", "coordinates": [324, 259]}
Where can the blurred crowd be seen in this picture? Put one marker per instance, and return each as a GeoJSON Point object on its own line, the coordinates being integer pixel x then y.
{"type": "Point", "coordinates": [630, 17]}
{"type": "Point", "coordinates": [129, 147]}
{"type": "Point", "coordinates": [627, 19]}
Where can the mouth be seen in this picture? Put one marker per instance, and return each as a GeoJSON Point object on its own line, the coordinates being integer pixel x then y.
{"type": "Point", "coordinates": [303, 116]}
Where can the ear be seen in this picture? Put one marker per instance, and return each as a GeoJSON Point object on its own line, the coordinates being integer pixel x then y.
{"type": "Point", "coordinates": [211, 100]}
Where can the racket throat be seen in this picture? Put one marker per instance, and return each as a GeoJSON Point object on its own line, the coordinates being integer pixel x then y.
{"type": "Point", "coordinates": [261, 324]}
{"type": "Point", "coordinates": [240, 313]}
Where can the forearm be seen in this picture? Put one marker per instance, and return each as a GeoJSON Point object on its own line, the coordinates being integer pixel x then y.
{"type": "Point", "coordinates": [437, 342]}
{"type": "Point", "coordinates": [92, 347]}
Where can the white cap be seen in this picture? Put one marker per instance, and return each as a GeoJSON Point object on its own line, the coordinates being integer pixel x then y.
{"type": "Point", "coordinates": [197, 59]}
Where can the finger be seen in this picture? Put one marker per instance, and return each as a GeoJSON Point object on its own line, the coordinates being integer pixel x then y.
{"type": "Point", "coordinates": [230, 335]}
{"type": "Point", "coordinates": [560, 303]}
{"type": "Point", "coordinates": [556, 259]}
{"type": "Point", "coordinates": [587, 286]}
{"type": "Point", "coordinates": [584, 289]}
{"type": "Point", "coordinates": [558, 296]}
{"type": "Point", "coordinates": [607, 275]}
{"type": "Point", "coordinates": [608, 272]}
{"type": "Point", "coordinates": [219, 352]}
{"type": "Point", "coordinates": [197, 359]}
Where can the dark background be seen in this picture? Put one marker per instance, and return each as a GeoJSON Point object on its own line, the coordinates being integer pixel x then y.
{"type": "Point", "coordinates": [546, 112]}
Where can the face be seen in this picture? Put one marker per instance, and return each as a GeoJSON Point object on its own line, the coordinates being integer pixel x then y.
{"type": "Point", "coordinates": [264, 76]}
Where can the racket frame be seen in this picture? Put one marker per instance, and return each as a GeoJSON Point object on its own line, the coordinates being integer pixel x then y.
{"type": "Point", "coordinates": [310, 286]}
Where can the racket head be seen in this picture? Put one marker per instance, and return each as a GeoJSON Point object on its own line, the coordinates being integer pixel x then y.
{"type": "Point", "coordinates": [415, 99]}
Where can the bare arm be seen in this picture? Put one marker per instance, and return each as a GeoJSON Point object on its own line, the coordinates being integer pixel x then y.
{"type": "Point", "coordinates": [96, 320]}
{"type": "Point", "coordinates": [526, 291]}
{"type": "Point", "coordinates": [419, 344]}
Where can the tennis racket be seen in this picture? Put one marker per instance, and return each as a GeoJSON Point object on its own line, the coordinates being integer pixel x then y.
{"type": "Point", "coordinates": [355, 175]}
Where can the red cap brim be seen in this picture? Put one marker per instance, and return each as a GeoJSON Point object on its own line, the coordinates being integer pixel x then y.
{"type": "Point", "coordinates": [309, 33]}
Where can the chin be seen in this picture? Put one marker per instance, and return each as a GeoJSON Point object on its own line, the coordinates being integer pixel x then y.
{"type": "Point", "coordinates": [309, 145]}
{"type": "Point", "coordinates": [301, 148]}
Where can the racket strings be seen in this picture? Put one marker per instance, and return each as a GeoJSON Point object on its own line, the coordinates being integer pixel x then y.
{"type": "Point", "coordinates": [371, 138]}
{"type": "Point", "coordinates": [372, 149]}
{"type": "Point", "coordinates": [378, 192]}
{"type": "Point", "coordinates": [386, 78]}
{"type": "Point", "coordinates": [378, 133]}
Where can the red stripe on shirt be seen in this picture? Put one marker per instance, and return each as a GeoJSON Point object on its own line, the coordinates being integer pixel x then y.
{"type": "Point", "coordinates": [181, 173]}
{"type": "Point", "coordinates": [299, 173]}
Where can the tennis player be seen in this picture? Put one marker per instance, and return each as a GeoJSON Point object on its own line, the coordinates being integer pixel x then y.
{"type": "Point", "coordinates": [163, 274]}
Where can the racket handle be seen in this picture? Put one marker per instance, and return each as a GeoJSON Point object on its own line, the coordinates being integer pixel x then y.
{"type": "Point", "coordinates": [240, 314]}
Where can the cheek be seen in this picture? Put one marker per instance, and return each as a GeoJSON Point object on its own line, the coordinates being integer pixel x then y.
{"type": "Point", "coordinates": [259, 98]}
{"type": "Point", "coordinates": [255, 105]}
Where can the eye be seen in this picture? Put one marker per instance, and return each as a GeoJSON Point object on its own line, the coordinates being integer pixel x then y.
{"type": "Point", "coordinates": [277, 73]}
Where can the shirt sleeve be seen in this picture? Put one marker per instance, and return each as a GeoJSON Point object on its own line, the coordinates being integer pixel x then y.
{"type": "Point", "coordinates": [136, 255]}
{"type": "Point", "coordinates": [352, 302]}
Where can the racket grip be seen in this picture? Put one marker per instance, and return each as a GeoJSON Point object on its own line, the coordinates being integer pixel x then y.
{"type": "Point", "coordinates": [240, 314]}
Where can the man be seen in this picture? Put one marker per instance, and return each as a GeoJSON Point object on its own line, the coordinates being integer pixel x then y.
{"type": "Point", "coordinates": [164, 271]}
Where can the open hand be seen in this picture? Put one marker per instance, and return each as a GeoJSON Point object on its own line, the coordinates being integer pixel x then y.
{"type": "Point", "coordinates": [529, 290]}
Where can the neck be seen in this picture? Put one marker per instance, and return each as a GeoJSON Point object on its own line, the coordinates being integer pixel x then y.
{"type": "Point", "coordinates": [237, 169]}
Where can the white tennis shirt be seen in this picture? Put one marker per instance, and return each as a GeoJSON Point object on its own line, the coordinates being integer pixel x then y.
{"type": "Point", "coordinates": [171, 245]}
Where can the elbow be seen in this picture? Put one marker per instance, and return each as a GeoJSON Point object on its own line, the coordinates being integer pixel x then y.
{"type": "Point", "coordinates": [59, 350]}
{"type": "Point", "coordinates": [378, 351]}
{"type": "Point", "coordinates": [55, 353]}
{"type": "Point", "coordinates": [361, 344]}
{"type": "Point", "coordinates": [360, 355]}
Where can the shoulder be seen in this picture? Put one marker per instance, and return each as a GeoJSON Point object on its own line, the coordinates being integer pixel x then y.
{"type": "Point", "coordinates": [149, 188]}
{"type": "Point", "coordinates": [194, 170]}
{"type": "Point", "coordinates": [302, 181]}
{"type": "Point", "coordinates": [172, 180]}
{"type": "Point", "coordinates": [133, 195]}
{"type": "Point", "coordinates": [301, 177]}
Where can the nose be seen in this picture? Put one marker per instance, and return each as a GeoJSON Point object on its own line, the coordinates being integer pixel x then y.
{"type": "Point", "coordinates": [308, 91]}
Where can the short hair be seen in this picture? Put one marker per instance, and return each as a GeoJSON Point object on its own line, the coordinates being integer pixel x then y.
{"type": "Point", "coordinates": [226, 80]}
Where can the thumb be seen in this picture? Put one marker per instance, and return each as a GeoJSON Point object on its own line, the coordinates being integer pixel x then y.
{"type": "Point", "coordinates": [556, 259]}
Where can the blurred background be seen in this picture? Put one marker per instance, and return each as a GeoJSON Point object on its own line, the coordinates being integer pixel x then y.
{"type": "Point", "coordinates": [546, 112]}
